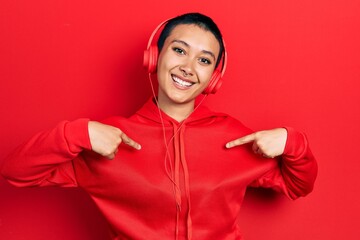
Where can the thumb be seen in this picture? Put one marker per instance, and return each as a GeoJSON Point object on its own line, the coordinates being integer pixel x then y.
{"type": "Point", "coordinates": [241, 141]}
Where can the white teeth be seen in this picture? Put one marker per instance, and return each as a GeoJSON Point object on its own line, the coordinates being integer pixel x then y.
{"type": "Point", "coordinates": [182, 82]}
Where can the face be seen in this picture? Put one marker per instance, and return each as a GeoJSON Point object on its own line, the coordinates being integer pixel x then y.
{"type": "Point", "coordinates": [186, 63]}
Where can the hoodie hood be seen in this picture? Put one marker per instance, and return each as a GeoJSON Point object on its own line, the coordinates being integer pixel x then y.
{"type": "Point", "coordinates": [201, 115]}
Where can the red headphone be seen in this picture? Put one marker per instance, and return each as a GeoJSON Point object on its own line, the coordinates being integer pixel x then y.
{"type": "Point", "coordinates": [151, 58]}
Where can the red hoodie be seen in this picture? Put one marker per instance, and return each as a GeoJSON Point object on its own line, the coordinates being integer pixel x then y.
{"type": "Point", "coordinates": [191, 189]}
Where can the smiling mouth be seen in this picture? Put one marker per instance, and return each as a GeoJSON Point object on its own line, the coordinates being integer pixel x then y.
{"type": "Point", "coordinates": [181, 83]}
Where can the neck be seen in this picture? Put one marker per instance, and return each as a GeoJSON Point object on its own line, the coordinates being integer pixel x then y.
{"type": "Point", "coordinates": [179, 111]}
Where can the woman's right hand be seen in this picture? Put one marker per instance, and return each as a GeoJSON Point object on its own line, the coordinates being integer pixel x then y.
{"type": "Point", "coordinates": [105, 139]}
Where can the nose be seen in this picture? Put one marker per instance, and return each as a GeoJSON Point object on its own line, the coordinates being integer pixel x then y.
{"type": "Point", "coordinates": [186, 69]}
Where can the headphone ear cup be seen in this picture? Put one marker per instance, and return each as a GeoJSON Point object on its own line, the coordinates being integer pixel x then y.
{"type": "Point", "coordinates": [214, 83]}
{"type": "Point", "coordinates": [150, 59]}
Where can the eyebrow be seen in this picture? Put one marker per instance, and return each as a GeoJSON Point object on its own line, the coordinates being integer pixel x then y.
{"type": "Point", "coordinates": [187, 45]}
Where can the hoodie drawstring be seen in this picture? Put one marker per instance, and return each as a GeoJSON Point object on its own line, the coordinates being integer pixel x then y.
{"type": "Point", "coordinates": [179, 159]}
{"type": "Point", "coordinates": [187, 182]}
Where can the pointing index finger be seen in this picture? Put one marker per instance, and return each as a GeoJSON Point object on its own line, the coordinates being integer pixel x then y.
{"type": "Point", "coordinates": [241, 141]}
{"type": "Point", "coordinates": [130, 142]}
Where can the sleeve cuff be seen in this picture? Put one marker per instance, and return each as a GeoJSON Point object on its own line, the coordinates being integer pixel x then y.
{"type": "Point", "coordinates": [77, 135]}
{"type": "Point", "coordinates": [296, 144]}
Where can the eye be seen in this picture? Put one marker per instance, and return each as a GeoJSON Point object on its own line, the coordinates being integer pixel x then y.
{"type": "Point", "coordinates": [205, 61]}
{"type": "Point", "coordinates": [178, 50]}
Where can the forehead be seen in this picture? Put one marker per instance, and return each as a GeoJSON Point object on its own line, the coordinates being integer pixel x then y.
{"type": "Point", "coordinates": [195, 36]}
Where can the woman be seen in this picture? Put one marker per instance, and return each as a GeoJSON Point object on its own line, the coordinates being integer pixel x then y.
{"type": "Point", "coordinates": [188, 177]}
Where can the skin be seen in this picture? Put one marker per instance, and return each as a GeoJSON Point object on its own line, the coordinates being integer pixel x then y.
{"type": "Point", "coordinates": [267, 143]}
{"type": "Point", "coordinates": [186, 63]}
{"type": "Point", "coordinates": [189, 53]}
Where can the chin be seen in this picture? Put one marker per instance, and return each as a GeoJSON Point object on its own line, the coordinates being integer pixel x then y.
{"type": "Point", "coordinates": [177, 97]}
{"type": "Point", "coordinates": [181, 100]}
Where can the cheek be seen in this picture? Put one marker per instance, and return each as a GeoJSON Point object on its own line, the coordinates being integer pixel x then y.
{"type": "Point", "coordinates": [205, 76]}
{"type": "Point", "coordinates": [163, 69]}
{"type": "Point", "coordinates": [164, 64]}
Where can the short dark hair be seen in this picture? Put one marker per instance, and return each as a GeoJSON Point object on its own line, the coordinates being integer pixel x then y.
{"type": "Point", "coordinates": [197, 19]}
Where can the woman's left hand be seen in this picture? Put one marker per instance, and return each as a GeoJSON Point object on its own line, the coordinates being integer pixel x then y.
{"type": "Point", "coordinates": [267, 143]}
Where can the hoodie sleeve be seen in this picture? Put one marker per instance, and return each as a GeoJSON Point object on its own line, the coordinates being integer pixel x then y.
{"type": "Point", "coordinates": [297, 169]}
{"type": "Point", "coordinates": [46, 159]}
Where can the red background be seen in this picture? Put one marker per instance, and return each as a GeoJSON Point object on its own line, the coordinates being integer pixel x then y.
{"type": "Point", "coordinates": [294, 63]}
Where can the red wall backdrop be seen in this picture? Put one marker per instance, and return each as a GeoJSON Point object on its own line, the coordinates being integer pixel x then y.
{"type": "Point", "coordinates": [294, 63]}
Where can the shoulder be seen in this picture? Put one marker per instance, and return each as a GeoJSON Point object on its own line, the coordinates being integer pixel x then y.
{"type": "Point", "coordinates": [223, 122]}
{"type": "Point", "coordinates": [225, 118]}
{"type": "Point", "coordinates": [235, 126]}
{"type": "Point", "coordinates": [124, 123]}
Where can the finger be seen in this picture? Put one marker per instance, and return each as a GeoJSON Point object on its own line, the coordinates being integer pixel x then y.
{"type": "Point", "coordinates": [241, 141]}
{"type": "Point", "coordinates": [111, 156]}
{"type": "Point", "coordinates": [130, 142]}
{"type": "Point", "coordinates": [256, 149]}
